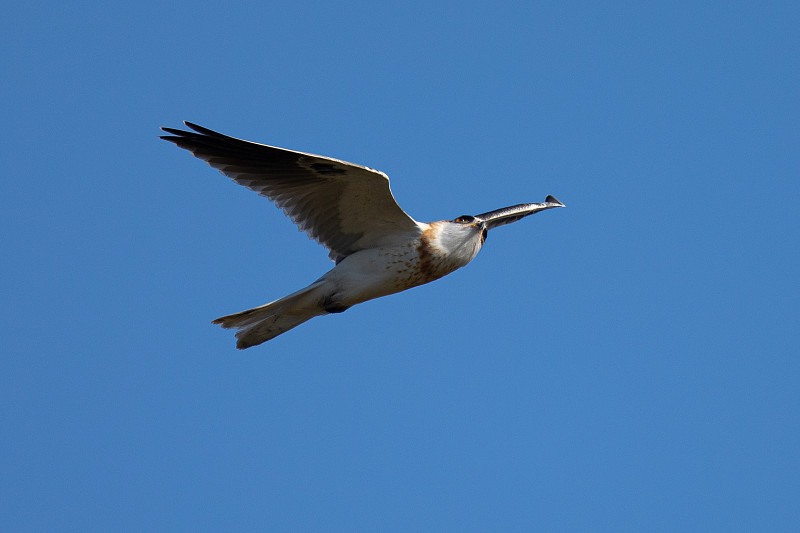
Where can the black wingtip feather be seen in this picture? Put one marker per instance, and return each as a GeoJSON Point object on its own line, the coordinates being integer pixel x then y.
{"type": "Point", "coordinates": [205, 131]}
{"type": "Point", "coordinates": [173, 131]}
{"type": "Point", "coordinates": [199, 129]}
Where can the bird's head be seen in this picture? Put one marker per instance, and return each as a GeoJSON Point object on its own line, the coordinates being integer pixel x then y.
{"type": "Point", "coordinates": [470, 225]}
{"type": "Point", "coordinates": [464, 236]}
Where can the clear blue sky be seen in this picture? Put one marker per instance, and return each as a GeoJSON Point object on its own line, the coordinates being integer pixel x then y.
{"type": "Point", "coordinates": [629, 363]}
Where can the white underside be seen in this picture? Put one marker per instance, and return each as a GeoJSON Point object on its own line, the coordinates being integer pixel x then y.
{"type": "Point", "coordinates": [362, 276]}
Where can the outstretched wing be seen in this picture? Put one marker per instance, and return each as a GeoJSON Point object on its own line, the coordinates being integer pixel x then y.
{"type": "Point", "coordinates": [344, 207]}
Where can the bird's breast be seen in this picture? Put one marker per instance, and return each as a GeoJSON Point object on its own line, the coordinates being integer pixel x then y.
{"type": "Point", "coordinates": [377, 272]}
{"type": "Point", "coordinates": [423, 260]}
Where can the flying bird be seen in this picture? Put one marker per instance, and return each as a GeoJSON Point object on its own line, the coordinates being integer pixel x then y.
{"type": "Point", "coordinates": [349, 209]}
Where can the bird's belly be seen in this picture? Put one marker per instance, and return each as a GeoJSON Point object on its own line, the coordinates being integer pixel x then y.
{"type": "Point", "coordinates": [377, 272]}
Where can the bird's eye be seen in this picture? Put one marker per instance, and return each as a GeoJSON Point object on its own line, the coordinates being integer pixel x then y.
{"type": "Point", "coordinates": [465, 218]}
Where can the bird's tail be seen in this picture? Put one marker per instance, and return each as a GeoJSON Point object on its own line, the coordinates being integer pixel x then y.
{"type": "Point", "coordinates": [266, 322]}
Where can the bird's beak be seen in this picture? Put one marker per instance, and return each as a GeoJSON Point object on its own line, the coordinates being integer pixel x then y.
{"type": "Point", "coordinates": [507, 215]}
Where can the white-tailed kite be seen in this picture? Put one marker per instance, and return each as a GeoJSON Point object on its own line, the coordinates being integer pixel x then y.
{"type": "Point", "coordinates": [350, 210]}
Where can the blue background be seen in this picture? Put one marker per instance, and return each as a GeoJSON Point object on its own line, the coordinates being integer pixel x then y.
{"type": "Point", "coordinates": [629, 363]}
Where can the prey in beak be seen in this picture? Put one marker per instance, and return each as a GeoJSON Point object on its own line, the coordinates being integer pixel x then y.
{"type": "Point", "coordinates": [507, 215]}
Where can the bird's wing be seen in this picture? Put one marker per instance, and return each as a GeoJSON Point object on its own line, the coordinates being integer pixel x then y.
{"type": "Point", "coordinates": [344, 207]}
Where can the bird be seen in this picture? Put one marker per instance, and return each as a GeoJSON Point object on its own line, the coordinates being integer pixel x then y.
{"type": "Point", "coordinates": [377, 248]}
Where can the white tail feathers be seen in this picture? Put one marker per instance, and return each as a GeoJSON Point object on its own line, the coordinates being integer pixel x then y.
{"type": "Point", "coordinates": [266, 322]}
